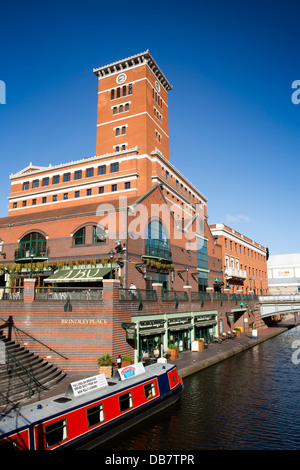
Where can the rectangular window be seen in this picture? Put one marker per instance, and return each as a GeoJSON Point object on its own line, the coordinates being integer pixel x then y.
{"type": "Point", "coordinates": [123, 130]}
{"type": "Point", "coordinates": [54, 198]}
{"type": "Point", "coordinates": [35, 184]}
{"type": "Point", "coordinates": [125, 402]}
{"type": "Point", "coordinates": [56, 433]}
{"type": "Point", "coordinates": [118, 92]}
{"type": "Point", "coordinates": [149, 390]}
{"type": "Point", "coordinates": [33, 202]}
{"type": "Point", "coordinates": [127, 185]}
{"type": "Point", "coordinates": [115, 110]}
{"type": "Point", "coordinates": [95, 415]}
{"type": "Point", "coordinates": [114, 167]}
{"type": "Point", "coordinates": [130, 89]}
{"type": "Point", "coordinates": [89, 172]}
{"type": "Point", "coordinates": [98, 235]}
{"type": "Point", "coordinates": [55, 179]}
{"type": "Point", "coordinates": [88, 192]}
{"type": "Point", "coordinates": [25, 186]}
{"type": "Point", "coordinates": [117, 131]}
{"type": "Point", "coordinates": [77, 193]}
{"type": "Point", "coordinates": [15, 205]}
{"type": "Point", "coordinates": [45, 182]}
{"type": "Point", "coordinates": [66, 196]}
{"type": "Point", "coordinates": [24, 203]}
{"type": "Point", "coordinates": [102, 170]}
{"type": "Point", "coordinates": [114, 187]}
{"type": "Point", "coordinates": [124, 90]}
{"type": "Point", "coordinates": [101, 189]}
{"type": "Point", "coordinates": [44, 200]}
{"type": "Point", "coordinates": [112, 94]}
{"type": "Point", "coordinates": [78, 175]}
{"type": "Point", "coordinates": [66, 177]}
{"type": "Point", "coordinates": [127, 107]}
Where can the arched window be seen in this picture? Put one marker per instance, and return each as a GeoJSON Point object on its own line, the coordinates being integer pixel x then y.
{"type": "Point", "coordinates": [33, 242]}
{"type": "Point", "coordinates": [99, 235]}
{"type": "Point", "coordinates": [79, 237]}
{"type": "Point", "coordinates": [157, 242]}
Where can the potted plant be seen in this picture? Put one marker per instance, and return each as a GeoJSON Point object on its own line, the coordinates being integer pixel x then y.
{"type": "Point", "coordinates": [238, 331]}
{"type": "Point", "coordinates": [126, 361]}
{"type": "Point", "coordinates": [198, 344]}
{"type": "Point", "coordinates": [173, 351]}
{"type": "Point", "coordinates": [106, 363]}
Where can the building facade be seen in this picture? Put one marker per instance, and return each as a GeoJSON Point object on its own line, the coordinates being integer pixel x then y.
{"type": "Point", "coordinates": [284, 274]}
{"type": "Point", "coordinates": [244, 261]}
{"type": "Point", "coordinates": [125, 216]}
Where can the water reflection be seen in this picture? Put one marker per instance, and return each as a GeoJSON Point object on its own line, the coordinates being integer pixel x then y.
{"type": "Point", "coordinates": [249, 401]}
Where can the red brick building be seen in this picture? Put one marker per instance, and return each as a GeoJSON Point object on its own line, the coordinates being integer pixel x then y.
{"type": "Point", "coordinates": [126, 213]}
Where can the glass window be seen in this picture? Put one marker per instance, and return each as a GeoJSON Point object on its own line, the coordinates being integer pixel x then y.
{"type": "Point", "coordinates": [78, 175]}
{"type": "Point", "coordinates": [54, 198]}
{"type": "Point", "coordinates": [25, 186]}
{"type": "Point", "coordinates": [112, 94]}
{"type": "Point", "coordinates": [79, 237]}
{"type": "Point", "coordinates": [114, 167]}
{"type": "Point", "coordinates": [118, 92]}
{"type": "Point", "coordinates": [77, 193]}
{"type": "Point", "coordinates": [35, 183]}
{"type": "Point", "coordinates": [33, 202]}
{"type": "Point", "coordinates": [56, 433]}
{"type": "Point", "coordinates": [99, 235]}
{"type": "Point", "coordinates": [95, 415]}
{"type": "Point", "coordinates": [45, 181]}
{"type": "Point", "coordinates": [89, 192]}
{"type": "Point", "coordinates": [44, 200]}
{"type": "Point", "coordinates": [202, 253]}
{"type": "Point", "coordinates": [67, 177]}
{"type": "Point", "coordinates": [125, 401]}
{"type": "Point", "coordinates": [66, 195]}
{"type": "Point", "coordinates": [127, 185]}
{"type": "Point", "coordinates": [102, 170]}
{"type": "Point", "coordinates": [101, 189]}
{"type": "Point", "coordinates": [149, 390]}
{"type": "Point", "coordinates": [130, 89]}
{"type": "Point", "coordinates": [114, 187]}
{"type": "Point", "coordinates": [89, 172]}
{"type": "Point", "coordinates": [55, 179]}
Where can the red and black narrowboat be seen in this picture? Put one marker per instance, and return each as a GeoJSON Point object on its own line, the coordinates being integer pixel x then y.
{"type": "Point", "coordinates": [92, 410]}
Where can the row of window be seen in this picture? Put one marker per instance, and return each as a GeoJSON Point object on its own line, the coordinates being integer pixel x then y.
{"type": "Point", "coordinates": [57, 432]}
{"type": "Point", "coordinates": [250, 270]}
{"type": "Point", "coordinates": [121, 91]}
{"type": "Point", "coordinates": [157, 98]}
{"type": "Point", "coordinates": [121, 108]}
{"type": "Point", "coordinates": [179, 186]}
{"type": "Point", "coordinates": [66, 177]}
{"type": "Point", "coordinates": [77, 194]}
{"type": "Point", "coordinates": [238, 248]}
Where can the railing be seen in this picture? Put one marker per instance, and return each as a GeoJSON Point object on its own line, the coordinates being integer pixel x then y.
{"type": "Point", "coordinates": [73, 294]}
{"type": "Point", "coordinates": [157, 249]}
{"type": "Point", "coordinates": [137, 295]}
{"type": "Point", "coordinates": [23, 254]}
{"type": "Point", "coordinates": [175, 295]}
{"type": "Point", "coordinates": [13, 294]}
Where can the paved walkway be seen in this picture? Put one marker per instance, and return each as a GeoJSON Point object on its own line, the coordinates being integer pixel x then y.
{"type": "Point", "coordinates": [190, 362]}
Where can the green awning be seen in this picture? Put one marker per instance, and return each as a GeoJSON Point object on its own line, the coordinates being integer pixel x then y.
{"type": "Point", "coordinates": [78, 275]}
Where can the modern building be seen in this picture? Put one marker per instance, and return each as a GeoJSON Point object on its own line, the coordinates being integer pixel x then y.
{"type": "Point", "coordinates": [284, 274]}
{"type": "Point", "coordinates": [244, 261]}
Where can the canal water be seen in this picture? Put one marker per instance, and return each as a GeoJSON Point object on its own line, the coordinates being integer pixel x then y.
{"type": "Point", "coordinates": [248, 402]}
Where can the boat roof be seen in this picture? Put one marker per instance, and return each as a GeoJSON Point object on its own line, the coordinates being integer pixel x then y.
{"type": "Point", "coordinates": [18, 418]}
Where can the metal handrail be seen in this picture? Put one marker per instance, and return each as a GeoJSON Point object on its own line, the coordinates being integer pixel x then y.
{"type": "Point", "coordinates": [31, 377]}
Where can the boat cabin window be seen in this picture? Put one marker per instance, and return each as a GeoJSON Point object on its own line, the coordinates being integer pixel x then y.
{"type": "Point", "coordinates": [55, 433]}
{"type": "Point", "coordinates": [125, 401]}
{"type": "Point", "coordinates": [149, 390]}
{"type": "Point", "coordinates": [95, 415]}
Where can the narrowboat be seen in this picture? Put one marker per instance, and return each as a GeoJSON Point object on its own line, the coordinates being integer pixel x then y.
{"type": "Point", "coordinates": [92, 410]}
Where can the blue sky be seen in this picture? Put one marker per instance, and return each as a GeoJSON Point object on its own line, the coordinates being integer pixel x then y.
{"type": "Point", "coordinates": [234, 131]}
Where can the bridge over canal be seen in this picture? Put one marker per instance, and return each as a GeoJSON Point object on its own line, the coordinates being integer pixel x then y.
{"type": "Point", "coordinates": [279, 304]}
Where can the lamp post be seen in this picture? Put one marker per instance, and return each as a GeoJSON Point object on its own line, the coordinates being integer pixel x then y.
{"type": "Point", "coordinates": [187, 275]}
{"type": "Point", "coordinates": [31, 254]}
{"type": "Point", "coordinates": [111, 255]}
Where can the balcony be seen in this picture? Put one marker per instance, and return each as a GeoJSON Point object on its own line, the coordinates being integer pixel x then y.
{"type": "Point", "coordinates": [233, 273]}
{"type": "Point", "coordinates": [157, 249]}
{"type": "Point", "coordinates": [25, 256]}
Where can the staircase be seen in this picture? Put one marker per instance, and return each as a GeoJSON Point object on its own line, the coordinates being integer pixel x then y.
{"type": "Point", "coordinates": [15, 384]}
